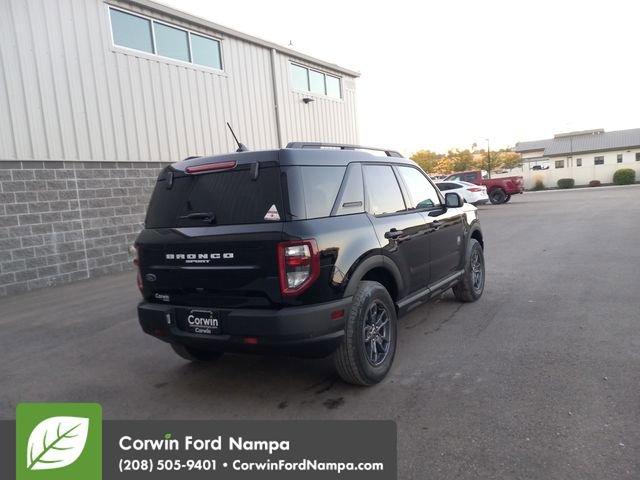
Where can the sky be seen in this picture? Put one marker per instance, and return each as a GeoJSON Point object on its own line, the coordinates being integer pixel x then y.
{"type": "Point", "coordinates": [446, 74]}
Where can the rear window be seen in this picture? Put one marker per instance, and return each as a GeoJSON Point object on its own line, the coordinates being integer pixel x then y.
{"type": "Point", "coordinates": [233, 197]}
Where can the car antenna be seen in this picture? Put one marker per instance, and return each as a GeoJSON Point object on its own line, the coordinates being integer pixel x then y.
{"type": "Point", "coordinates": [241, 146]}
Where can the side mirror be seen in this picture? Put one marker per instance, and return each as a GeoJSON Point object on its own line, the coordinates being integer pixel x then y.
{"type": "Point", "coordinates": [453, 200]}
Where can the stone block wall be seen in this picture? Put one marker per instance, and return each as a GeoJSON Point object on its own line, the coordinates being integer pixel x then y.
{"type": "Point", "coordinates": [66, 221]}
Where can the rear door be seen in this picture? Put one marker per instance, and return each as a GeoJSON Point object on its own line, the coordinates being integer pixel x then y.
{"type": "Point", "coordinates": [402, 233]}
{"type": "Point", "coordinates": [445, 226]}
{"type": "Point", "coordinates": [211, 238]}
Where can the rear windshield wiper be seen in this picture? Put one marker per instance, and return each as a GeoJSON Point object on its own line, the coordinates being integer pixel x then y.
{"type": "Point", "coordinates": [208, 216]}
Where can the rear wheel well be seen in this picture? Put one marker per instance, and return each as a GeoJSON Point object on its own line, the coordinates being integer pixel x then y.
{"type": "Point", "coordinates": [385, 278]}
{"type": "Point", "coordinates": [477, 234]}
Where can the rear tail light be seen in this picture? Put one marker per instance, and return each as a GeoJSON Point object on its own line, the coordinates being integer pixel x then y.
{"type": "Point", "coordinates": [136, 262]}
{"type": "Point", "coordinates": [299, 266]}
{"type": "Point", "coordinates": [210, 167]}
{"type": "Point", "coordinates": [474, 189]}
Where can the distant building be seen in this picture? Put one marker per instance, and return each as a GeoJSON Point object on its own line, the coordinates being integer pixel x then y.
{"type": "Point", "coordinates": [584, 156]}
{"type": "Point", "coordinates": [96, 96]}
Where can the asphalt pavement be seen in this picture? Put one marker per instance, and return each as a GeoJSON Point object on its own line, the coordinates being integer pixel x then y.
{"type": "Point", "coordinates": [540, 379]}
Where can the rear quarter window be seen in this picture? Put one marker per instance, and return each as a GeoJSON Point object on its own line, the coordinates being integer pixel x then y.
{"type": "Point", "coordinates": [312, 190]}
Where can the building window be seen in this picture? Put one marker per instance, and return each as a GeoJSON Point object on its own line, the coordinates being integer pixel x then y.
{"type": "Point", "coordinates": [171, 42]}
{"type": "Point", "coordinates": [151, 36]}
{"type": "Point", "coordinates": [559, 163]}
{"type": "Point", "coordinates": [598, 160]}
{"type": "Point", "coordinates": [205, 51]}
{"type": "Point", "coordinates": [313, 81]}
{"type": "Point", "coordinates": [131, 31]}
{"type": "Point", "coordinates": [637, 156]}
{"type": "Point", "coordinates": [578, 162]}
{"type": "Point", "coordinates": [619, 158]}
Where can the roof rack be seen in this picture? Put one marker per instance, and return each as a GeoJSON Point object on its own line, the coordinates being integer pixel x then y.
{"type": "Point", "coordinates": [342, 146]}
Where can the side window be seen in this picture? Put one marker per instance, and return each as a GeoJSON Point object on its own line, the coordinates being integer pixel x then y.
{"type": "Point", "coordinates": [422, 193]}
{"type": "Point", "coordinates": [469, 177]}
{"type": "Point", "coordinates": [453, 177]}
{"type": "Point", "coordinates": [321, 185]}
{"type": "Point", "coordinates": [446, 186]}
{"type": "Point", "coordinates": [383, 191]}
{"type": "Point", "coordinates": [351, 199]}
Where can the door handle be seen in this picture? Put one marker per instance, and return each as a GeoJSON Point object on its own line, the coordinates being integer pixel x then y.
{"type": "Point", "coordinates": [393, 234]}
{"type": "Point", "coordinates": [435, 225]}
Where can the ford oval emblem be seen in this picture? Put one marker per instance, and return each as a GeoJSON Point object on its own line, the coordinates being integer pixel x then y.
{"type": "Point", "coordinates": [150, 277]}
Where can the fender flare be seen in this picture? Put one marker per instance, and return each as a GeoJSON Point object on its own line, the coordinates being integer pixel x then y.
{"type": "Point", "coordinates": [474, 227]}
{"type": "Point", "coordinates": [374, 261]}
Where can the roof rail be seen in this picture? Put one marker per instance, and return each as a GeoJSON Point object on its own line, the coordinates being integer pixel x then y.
{"type": "Point", "coordinates": [342, 146]}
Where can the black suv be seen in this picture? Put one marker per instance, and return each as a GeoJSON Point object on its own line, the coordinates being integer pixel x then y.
{"type": "Point", "coordinates": [310, 250]}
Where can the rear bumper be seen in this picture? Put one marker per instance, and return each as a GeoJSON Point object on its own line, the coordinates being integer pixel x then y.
{"type": "Point", "coordinates": [303, 331]}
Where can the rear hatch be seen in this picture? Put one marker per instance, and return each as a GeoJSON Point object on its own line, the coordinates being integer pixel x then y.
{"type": "Point", "coordinates": [210, 237]}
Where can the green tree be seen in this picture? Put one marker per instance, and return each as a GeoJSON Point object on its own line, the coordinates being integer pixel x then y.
{"type": "Point", "coordinates": [458, 161]}
{"type": "Point", "coordinates": [500, 159]}
{"type": "Point", "coordinates": [427, 160]}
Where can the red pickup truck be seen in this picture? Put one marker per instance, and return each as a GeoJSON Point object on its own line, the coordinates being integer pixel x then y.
{"type": "Point", "coordinates": [499, 189]}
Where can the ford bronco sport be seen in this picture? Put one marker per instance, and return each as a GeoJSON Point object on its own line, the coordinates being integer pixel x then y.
{"type": "Point", "coordinates": [310, 250]}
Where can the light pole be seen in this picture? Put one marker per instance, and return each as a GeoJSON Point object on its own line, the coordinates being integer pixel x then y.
{"type": "Point", "coordinates": [488, 158]}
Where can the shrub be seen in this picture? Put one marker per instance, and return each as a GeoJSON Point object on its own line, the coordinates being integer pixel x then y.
{"type": "Point", "coordinates": [566, 183]}
{"type": "Point", "coordinates": [624, 176]}
{"type": "Point", "coordinates": [594, 183]}
{"type": "Point", "coordinates": [539, 185]}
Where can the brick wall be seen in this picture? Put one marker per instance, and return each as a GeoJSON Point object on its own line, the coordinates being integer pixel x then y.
{"type": "Point", "coordinates": [66, 221]}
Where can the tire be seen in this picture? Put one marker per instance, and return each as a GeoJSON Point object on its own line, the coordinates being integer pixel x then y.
{"type": "Point", "coordinates": [470, 287]}
{"type": "Point", "coordinates": [497, 196]}
{"type": "Point", "coordinates": [366, 362]}
{"type": "Point", "coordinates": [507, 198]}
{"type": "Point", "coordinates": [194, 354]}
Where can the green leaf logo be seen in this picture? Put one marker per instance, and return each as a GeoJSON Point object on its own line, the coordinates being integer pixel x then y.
{"type": "Point", "coordinates": [56, 442]}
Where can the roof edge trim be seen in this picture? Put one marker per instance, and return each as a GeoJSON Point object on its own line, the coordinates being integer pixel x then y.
{"type": "Point", "coordinates": [184, 16]}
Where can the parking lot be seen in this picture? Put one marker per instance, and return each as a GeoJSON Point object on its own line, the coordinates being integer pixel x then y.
{"type": "Point", "coordinates": [538, 379]}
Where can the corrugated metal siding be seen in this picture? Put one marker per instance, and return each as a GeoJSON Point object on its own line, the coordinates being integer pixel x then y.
{"type": "Point", "coordinates": [325, 119]}
{"type": "Point", "coordinates": [67, 94]}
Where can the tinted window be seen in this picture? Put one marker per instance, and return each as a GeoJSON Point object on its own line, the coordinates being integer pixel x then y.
{"type": "Point", "coordinates": [131, 31]}
{"type": "Point", "coordinates": [205, 51]}
{"type": "Point", "coordinates": [299, 77]}
{"type": "Point", "coordinates": [232, 196]}
{"type": "Point", "coordinates": [321, 185]}
{"type": "Point", "coordinates": [316, 82]}
{"type": "Point", "coordinates": [352, 197]}
{"type": "Point", "coordinates": [383, 191]}
{"type": "Point", "coordinates": [468, 177]}
{"type": "Point", "coordinates": [171, 42]}
{"type": "Point", "coordinates": [421, 192]}
{"type": "Point", "coordinates": [447, 186]}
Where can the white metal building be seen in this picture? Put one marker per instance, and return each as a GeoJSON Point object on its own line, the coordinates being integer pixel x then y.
{"type": "Point", "coordinates": [584, 156]}
{"type": "Point", "coordinates": [95, 96]}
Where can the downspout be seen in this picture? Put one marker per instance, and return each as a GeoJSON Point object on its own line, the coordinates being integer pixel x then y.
{"type": "Point", "coordinates": [276, 105]}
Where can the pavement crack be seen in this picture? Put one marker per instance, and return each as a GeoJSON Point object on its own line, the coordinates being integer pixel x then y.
{"type": "Point", "coordinates": [449, 317]}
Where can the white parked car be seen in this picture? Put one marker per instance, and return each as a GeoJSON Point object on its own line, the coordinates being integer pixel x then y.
{"type": "Point", "coordinates": [470, 192]}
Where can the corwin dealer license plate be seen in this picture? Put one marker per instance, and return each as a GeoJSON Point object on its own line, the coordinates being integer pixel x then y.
{"type": "Point", "coordinates": [204, 322]}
